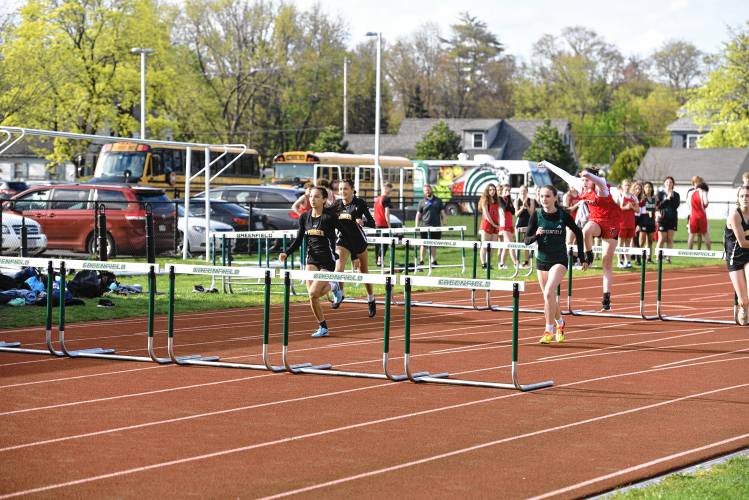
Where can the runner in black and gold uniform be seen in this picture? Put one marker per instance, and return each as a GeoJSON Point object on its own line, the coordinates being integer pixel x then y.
{"type": "Point", "coordinates": [547, 228]}
{"type": "Point", "coordinates": [319, 225]}
{"type": "Point", "coordinates": [353, 215]}
{"type": "Point", "coordinates": [737, 250]}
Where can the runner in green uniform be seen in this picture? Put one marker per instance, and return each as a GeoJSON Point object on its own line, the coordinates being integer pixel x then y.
{"type": "Point", "coordinates": [547, 228]}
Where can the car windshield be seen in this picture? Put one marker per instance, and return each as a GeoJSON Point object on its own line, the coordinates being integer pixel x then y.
{"type": "Point", "coordinates": [121, 164]}
{"type": "Point", "coordinates": [292, 170]}
{"type": "Point", "coordinates": [17, 186]}
{"type": "Point", "coordinates": [158, 200]}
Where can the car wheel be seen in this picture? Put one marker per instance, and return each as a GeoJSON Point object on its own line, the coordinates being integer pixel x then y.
{"type": "Point", "coordinates": [451, 209]}
{"type": "Point", "coordinates": [93, 246]}
{"type": "Point", "coordinates": [181, 243]}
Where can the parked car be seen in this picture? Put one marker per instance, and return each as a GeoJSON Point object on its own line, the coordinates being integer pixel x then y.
{"type": "Point", "coordinates": [66, 214]}
{"type": "Point", "coordinates": [272, 201]}
{"type": "Point", "coordinates": [237, 216]}
{"type": "Point", "coordinates": [36, 240]}
{"type": "Point", "coordinates": [10, 188]}
{"type": "Point", "coordinates": [196, 231]}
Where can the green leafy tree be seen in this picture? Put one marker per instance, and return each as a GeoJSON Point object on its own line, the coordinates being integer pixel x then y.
{"type": "Point", "coordinates": [439, 143]}
{"type": "Point", "coordinates": [330, 140]}
{"type": "Point", "coordinates": [721, 103]}
{"type": "Point", "coordinates": [602, 136]}
{"type": "Point", "coordinates": [548, 145]}
{"type": "Point", "coordinates": [626, 164]}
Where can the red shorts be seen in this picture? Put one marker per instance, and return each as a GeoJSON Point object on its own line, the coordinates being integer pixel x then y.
{"type": "Point", "coordinates": [609, 231]}
{"type": "Point", "coordinates": [510, 229]}
{"type": "Point", "coordinates": [626, 232]}
{"type": "Point", "coordinates": [697, 225]}
{"type": "Point", "coordinates": [488, 228]}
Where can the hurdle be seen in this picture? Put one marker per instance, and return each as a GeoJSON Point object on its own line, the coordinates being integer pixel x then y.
{"type": "Point", "coordinates": [375, 279]}
{"type": "Point", "coordinates": [515, 286]}
{"type": "Point", "coordinates": [245, 272]}
{"type": "Point", "coordinates": [675, 252]}
{"type": "Point", "coordinates": [643, 253]}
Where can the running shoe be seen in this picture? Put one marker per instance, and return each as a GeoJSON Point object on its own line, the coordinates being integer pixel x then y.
{"type": "Point", "coordinates": [743, 316]}
{"type": "Point", "coordinates": [559, 331]}
{"type": "Point", "coordinates": [337, 298]}
{"type": "Point", "coordinates": [620, 265]}
{"type": "Point", "coordinates": [547, 338]}
{"type": "Point", "coordinates": [372, 306]}
{"type": "Point", "coordinates": [628, 265]}
{"type": "Point", "coordinates": [320, 332]}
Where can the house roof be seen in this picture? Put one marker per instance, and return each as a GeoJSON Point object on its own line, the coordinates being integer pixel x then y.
{"type": "Point", "coordinates": [716, 165]}
{"type": "Point", "coordinates": [512, 140]}
{"type": "Point", "coordinates": [685, 124]}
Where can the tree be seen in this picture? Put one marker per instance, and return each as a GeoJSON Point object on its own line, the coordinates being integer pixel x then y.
{"type": "Point", "coordinates": [330, 140]}
{"type": "Point", "coordinates": [627, 163]}
{"type": "Point", "coordinates": [678, 64]}
{"type": "Point", "coordinates": [721, 103]}
{"type": "Point", "coordinates": [439, 143]}
{"type": "Point", "coordinates": [415, 107]}
{"type": "Point", "coordinates": [547, 145]}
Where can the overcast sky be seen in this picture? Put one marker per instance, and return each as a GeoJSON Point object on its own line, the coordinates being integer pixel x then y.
{"type": "Point", "coordinates": [634, 26]}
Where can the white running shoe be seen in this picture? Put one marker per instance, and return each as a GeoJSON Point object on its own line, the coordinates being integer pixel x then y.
{"type": "Point", "coordinates": [743, 316]}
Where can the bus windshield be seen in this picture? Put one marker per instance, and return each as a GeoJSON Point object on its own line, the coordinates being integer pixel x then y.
{"type": "Point", "coordinates": [293, 170]}
{"type": "Point", "coordinates": [121, 164]}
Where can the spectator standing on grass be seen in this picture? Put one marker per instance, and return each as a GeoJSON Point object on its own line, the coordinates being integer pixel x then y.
{"type": "Point", "coordinates": [489, 209]}
{"type": "Point", "coordinates": [507, 230]}
{"type": "Point", "coordinates": [430, 213]}
{"type": "Point", "coordinates": [698, 225]}
{"type": "Point", "coordinates": [667, 204]}
{"type": "Point", "coordinates": [630, 208]}
{"type": "Point", "coordinates": [382, 208]}
{"type": "Point", "coordinates": [647, 218]}
{"type": "Point", "coordinates": [737, 250]}
{"type": "Point", "coordinates": [524, 207]}
{"type": "Point", "coordinates": [637, 193]}
{"type": "Point", "coordinates": [546, 228]}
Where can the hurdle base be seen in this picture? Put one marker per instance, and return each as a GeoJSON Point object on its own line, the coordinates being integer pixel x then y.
{"type": "Point", "coordinates": [9, 344]}
{"type": "Point", "coordinates": [21, 350]}
{"type": "Point", "coordinates": [82, 353]}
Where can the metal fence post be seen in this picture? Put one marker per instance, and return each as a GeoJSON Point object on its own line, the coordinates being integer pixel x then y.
{"type": "Point", "coordinates": [101, 232]}
{"type": "Point", "coordinates": [24, 238]}
{"type": "Point", "coordinates": [150, 243]}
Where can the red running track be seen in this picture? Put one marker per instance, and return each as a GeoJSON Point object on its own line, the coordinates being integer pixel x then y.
{"type": "Point", "coordinates": [632, 399]}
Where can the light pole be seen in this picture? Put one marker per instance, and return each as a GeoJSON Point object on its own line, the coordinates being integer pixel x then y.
{"type": "Point", "coordinates": [345, 95]}
{"type": "Point", "coordinates": [378, 172]}
{"type": "Point", "coordinates": [143, 53]}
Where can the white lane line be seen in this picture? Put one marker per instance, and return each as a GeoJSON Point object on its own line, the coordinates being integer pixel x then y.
{"type": "Point", "coordinates": [641, 466]}
{"type": "Point", "coordinates": [699, 358]}
{"type": "Point", "coordinates": [232, 451]}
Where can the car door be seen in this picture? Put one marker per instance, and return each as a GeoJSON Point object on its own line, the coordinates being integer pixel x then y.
{"type": "Point", "coordinates": [35, 206]}
{"type": "Point", "coordinates": [71, 217]}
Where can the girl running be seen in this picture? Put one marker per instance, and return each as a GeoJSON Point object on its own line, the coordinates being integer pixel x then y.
{"type": "Point", "coordinates": [524, 207]}
{"type": "Point", "coordinates": [667, 204]}
{"type": "Point", "coordinates": [353, 213]}
{"type": "Point", "coordinates": [603, 220]}
{"type": "Point", "coordinates": [647, 218]}
{"type": "Point", "coordinates": [319, 226]}
{"type": "Point", "coordinates": [630, 208]}
{"type": "Point", "coordinates": [489, 208]}
{"type": "Point", "coordinates": [737, 250]}
{"type": "Point", "coordinates": [546, 227]}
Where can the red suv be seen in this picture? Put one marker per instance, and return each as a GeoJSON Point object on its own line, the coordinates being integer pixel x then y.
{"type": "Point", "coordinates": [66, 214]}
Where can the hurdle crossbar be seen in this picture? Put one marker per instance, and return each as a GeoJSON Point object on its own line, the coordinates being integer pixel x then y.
{"type": "Point", "coordinates": [705, 254]}
{"type": "Point", "coordinates": [515, 286]}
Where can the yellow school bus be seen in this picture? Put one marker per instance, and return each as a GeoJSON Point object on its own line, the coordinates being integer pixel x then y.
{"type": "Point", "coordinates": [165, 165]}
{"type": "Point", "coordinates": [297, 167]}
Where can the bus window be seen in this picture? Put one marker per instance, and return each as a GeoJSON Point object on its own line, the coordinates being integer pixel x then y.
{"type": "Point", "coordinates": [517, 180]}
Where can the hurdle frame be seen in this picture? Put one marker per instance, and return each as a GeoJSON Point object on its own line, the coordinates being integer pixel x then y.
{"type": "Point", "coordinates": [515, 286]}
{"type": "Point", "coordinates": [676, 252]}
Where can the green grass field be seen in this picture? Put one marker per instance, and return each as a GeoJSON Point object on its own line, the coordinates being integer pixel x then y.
{"type": "Point", "coordinates": [729, 480]}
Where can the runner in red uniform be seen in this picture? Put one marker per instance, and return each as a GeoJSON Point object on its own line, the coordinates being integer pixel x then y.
{"type": "Point", "coordinates": [698, 217]}
{"type": "Point", "coordinates": [630, 207]}
{"type": "Point", "coordinates": [603, 221]}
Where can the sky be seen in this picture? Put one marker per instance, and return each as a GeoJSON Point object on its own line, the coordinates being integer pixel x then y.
{"type": "Point", "coordinates": [636, 27]}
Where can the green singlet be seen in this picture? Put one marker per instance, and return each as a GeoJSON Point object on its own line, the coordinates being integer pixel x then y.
{"type": "Point", "coordinates": [552, 248]}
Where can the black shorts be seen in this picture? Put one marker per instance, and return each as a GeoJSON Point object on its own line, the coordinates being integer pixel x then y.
{"type": "Point", "coordinates": [667, 224]}
{"type": "Point", "coordinates": [736, 262]}
{"type": "Point", "coordinates": [647, 225]}
{"type": "Point", "coordinates": [322, 263]}
{"type": "Point", "coordinates": [353, 248]}
{"type": "Point", "coordinates": [431, 235]}
{"type": "Point", "coordinates": [546, 266]}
